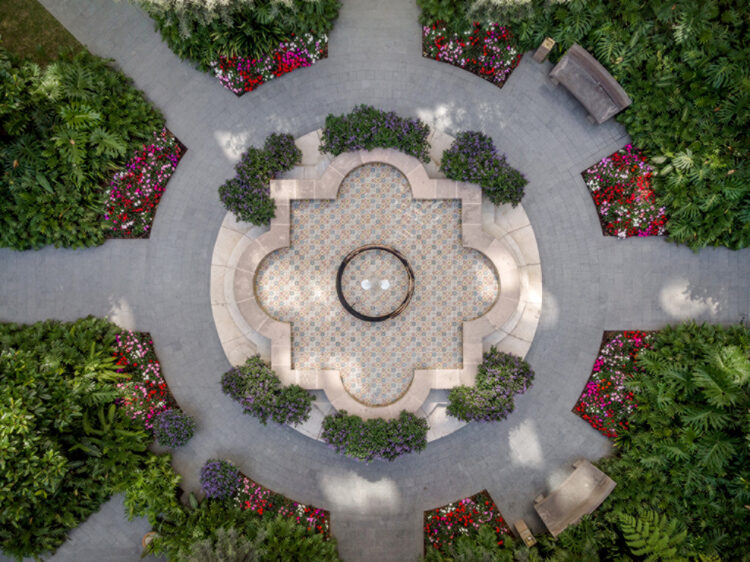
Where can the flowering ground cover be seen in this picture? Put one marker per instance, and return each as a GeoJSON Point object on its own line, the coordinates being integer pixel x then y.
{"type": "Point", "coordinates": [489, 51]}
{"type": "Point", "coordinates": [145, 394]}
{"type": "Point", "coordinates": [621, 187]}
{"type": "Point", "coordinates": [222, 480]}
{"type": "Point", "coordinates": [444, 525]}
{"type": "Point", "coordinates": [244, 74]}
{"type": "Point", "coordinates": [135, 191]}
{"type": "Point", "coordinates": [605, 402]}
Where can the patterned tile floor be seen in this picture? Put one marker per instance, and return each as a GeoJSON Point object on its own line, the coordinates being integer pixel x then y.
{"type": "Point", "coordinates": [376, 360]}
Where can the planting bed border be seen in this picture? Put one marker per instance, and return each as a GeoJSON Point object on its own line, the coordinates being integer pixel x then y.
{"type": "Point", "coordinates": [503, 234]}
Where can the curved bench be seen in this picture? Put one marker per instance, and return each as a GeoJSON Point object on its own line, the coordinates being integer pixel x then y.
{"type": "Point", "coordinates": [590, 83]}
{"type": "Point", "coordinates": [580, 494]}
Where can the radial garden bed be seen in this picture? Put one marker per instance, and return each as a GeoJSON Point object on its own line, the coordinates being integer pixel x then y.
{"type": "Point", "coordinates": [489, 51]}
{"type": "Point", "coordinates": [444, 525]}
{"type": "Point", "coordinates": [620, 185]}
{"type": "Point", "coordinates": [605, 402]}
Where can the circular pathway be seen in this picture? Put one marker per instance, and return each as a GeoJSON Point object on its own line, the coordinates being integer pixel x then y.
{"type": "Point", "coordinates": [161, 285]}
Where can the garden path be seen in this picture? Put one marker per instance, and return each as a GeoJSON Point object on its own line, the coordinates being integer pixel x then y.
{"type": "Point", "coordinates": [591, 283]}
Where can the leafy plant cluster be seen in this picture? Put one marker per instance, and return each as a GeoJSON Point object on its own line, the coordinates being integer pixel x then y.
{"type": "Point", "coordinates": [473, 157]}
{"type": "Point", "coordinates": [248, 194]}
{"type": "Point", "coordinates": [377, 438]}
{"type": "Point", "coordinates": [203, 32]}
{"type": "Point", "coordinates": [258, 389]}
{"type": "Point", "coordinates": [685, 64]}
{"type": "Point", "coordinates": [64, 130]}
{"type": "Point", "coordinates": [365, 128]}
{"type": "Point", "coordinates": [682, 469]}
{"type": "Point", "coordinates": [214, 529]}
{"type": "Point", "coordinates": [500, 377]}
{"type": "Point", "coordinates": [173, 428]}
{"type": "Point", "coordinates": [66, 447]}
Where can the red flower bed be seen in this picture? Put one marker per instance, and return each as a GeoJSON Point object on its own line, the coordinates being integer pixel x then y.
{"type": "Point", "coordinates": [444, 525]}
{"type": "Point", "coordinates": [605, 402]}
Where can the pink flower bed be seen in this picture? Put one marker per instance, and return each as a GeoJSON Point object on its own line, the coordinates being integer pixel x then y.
{"type": "Point", "coordinates": [487, 51]}
{"type": "Point", "coordinates": [145, 394]}
{"type": "Point", "coordinates": [243, 74]}
{"type": "Point", "coordinates": [265, 502]}
{"type": "Point", "coordinates": [135, 191]}
{"type": "Point", "coordinates": [621, 187]}
{"type": "Point", "coordinates": [444, 525]}
{"type": "Point", "coordinates": [605, 402]}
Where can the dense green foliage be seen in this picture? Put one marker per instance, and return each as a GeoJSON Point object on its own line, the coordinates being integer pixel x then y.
{"type": "Point", "coordinates": [64, 446]}
{"type": "Point", "coordinates": [473, 157]}
{"type": "Point", "coordinates": [683, 467]}
{"type": "Point", "coordinates": [259, 390]}
{"type": "Point", "coordinates": [365, 128]}
{"type": "Point", "coordinates": [686, 65]}
{"type": "Point", "coordinates": [206, 530]}
{"type": "Point", "coordinates": [499, 378]}
{"type": "Point", "coordinates": [64, 130]}
{"type": "Point", "coordinates": [204, 31]}
{"type": "Point", "coordinates": [376, 438]}
{"type": "Point", "coordinates": [248, 194]}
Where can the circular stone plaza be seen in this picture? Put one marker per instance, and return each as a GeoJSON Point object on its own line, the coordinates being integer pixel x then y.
{"type": "Point", "coordinates": [369, 330]}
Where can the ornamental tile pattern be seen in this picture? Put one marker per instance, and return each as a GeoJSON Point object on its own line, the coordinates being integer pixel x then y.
{"type": "Point", "coordinates": [376, 360]}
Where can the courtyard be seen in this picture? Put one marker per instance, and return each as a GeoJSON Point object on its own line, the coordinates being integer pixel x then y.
{"type": "Point", "coordinates": [590, 283]}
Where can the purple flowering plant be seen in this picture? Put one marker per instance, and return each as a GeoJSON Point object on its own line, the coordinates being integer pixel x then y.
{"type": "Point", "coordinates": [248, 194]}
{"type": "Point", "coordinates": [375, 438]}
{"type": "Point", "coordinates": [219, 479]}
{"type": "Point", "coordinates": [173, 428]}
{"type": "Point", "coordinates": [500, 377]}
{"type": "Point", "coordinates": [366, 128]}
{"type": "Point", "coordinates": [257, 388]}
{"type": "Point", "coordinates": [473, 157]}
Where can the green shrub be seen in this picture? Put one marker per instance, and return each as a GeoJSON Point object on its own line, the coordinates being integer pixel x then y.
{"type": "Point", "coordinates": [202, 32]}
{"type": "Point", "coordinates": [258, 389]}
{"type": "Point", "coordinates": [64, 130]}
{"type": "Point", "coordinates": [375, 438]}
{"type": "Point", "coordinates": [366, 128]}
{"type": "Point", "coordinates": [248, 194]}
{"type": "Point", "coordinates": [685, 65]}
{"type": "Point", "coordinates": [66, 448]}
{"type": "Point", "coordinates": [473, 157]}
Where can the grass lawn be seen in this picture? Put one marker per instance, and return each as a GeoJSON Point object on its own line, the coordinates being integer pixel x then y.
{"type": "Point", "coordinates": [29, 30]}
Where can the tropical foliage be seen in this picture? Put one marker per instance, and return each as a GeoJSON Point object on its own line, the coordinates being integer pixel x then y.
{"type": "Point", "coordinates": [499, 378]}
{"type": "Point", "coordinates": [365, 128]}
{"type": "Point", "coordinates": [248, 194]}
{"type": "Point", "coordinates": [685, 64]}
{"type": "Point", "coordinates": [377, 438]}
{"type": "Point", "coordinates": [210, 529]}
{"type": "Point", "coordinates": [473, 157]}
{"type": "Point", "coordinates": [258, 389]}
{"type": "Point", "coordinates": [245, 42]}
{"type": "Point", "coordinates": [66, 447]}
{"type": "Point", "coordinates": [64, 131]}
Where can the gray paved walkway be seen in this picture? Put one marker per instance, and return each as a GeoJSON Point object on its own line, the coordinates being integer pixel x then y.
{"type": "Point", "coordinates": [162, 285]}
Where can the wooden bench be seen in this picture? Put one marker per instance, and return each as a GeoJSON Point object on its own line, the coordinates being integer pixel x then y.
{"type": "Point", "coordinates": [590, 83]}
{"type": "Point", "coordinates": [580, 494]}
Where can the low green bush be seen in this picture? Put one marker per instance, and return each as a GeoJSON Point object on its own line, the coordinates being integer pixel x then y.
{"type": "Point", "coordinates": [375, 438]}
{"type": "Point", "coordinates": [204, 31]}
{"type": "Point", "coordinates": [64, 130]}
{"type": "Point", "coordinates": [473, 157]}
{"type": "Point", "coordinates": [248, 194]}
{"type": "Point", "coordinates": [500, 377]}
{"type": "Point", "coordinates": [258, 389]}
{"type": "Point", "coordinates": [66, 448]}
{"type": "Point", "coordinates": [366, 128]}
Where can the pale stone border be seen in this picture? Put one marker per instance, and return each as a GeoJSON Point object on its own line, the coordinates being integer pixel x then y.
{"type": "Point", "coordinates": [502, 234]}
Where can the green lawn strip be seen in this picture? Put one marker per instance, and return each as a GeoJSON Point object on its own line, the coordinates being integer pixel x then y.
{"type": "Point", "coordinates": [29, 30]}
